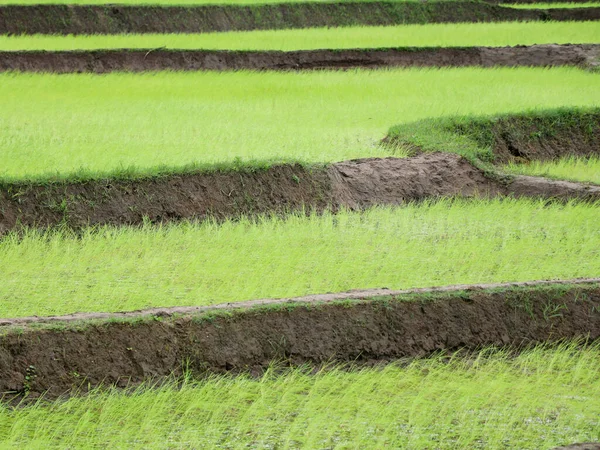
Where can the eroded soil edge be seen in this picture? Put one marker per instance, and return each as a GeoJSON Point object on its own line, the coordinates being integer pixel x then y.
{"type": "Point", "coordinates": [139, 60]}
{"type": "Point", "coordinates": [360, 326]}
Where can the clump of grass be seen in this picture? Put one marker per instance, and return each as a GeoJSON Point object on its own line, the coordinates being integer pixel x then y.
{"type": "Point", "coordinates": [433, 243]}
{"type": "Point", "coordinates": [544, 397]}
{"type": "Point", "coordinates": [427, 35]}
{"type": "Point", "coordinates": [569, 168]}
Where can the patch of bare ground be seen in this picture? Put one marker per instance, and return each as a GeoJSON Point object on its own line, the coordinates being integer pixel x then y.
{"type": "Point", "coordinates": [582, 446]}
{"type": "Point", "coordinates": [359, 327]}
{"type": "Point", "coordinates": [517, 140]}
{"type": "Point", "coordinates": [279, 189]}
{"type": "Point", "coordinates": [112, 19]}
{"type": "Point", "coordinates": [140, 60]}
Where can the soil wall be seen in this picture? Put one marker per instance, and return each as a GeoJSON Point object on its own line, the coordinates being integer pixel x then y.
{"type": "Point", "coordinates": [103, 61]}
{"type": "Point", "coordinates": [354, 327]}
{"type": "Point", "coordinates": [520, 140]}
{"type": "Point", "coordinates": [112, 19]}
{"type": "Point", "coordinates": [280, 189]}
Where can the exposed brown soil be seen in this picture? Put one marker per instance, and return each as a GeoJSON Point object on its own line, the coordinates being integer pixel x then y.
{"type": "Point", "coordinates": [526, 186]}
{"type": "Point", "coordinates": [110, 19]}
{"type": "Point", "coordinates": [219, 195]}
{"type": "Point", "coordinates": [374, 181]}
{"type": "Point", "coordinates": [517, 140]}
{"type": "Point", "coordinates": [280, 189]}
{"type": "Point", "coordinates": [37, 359]}
{"type": "Point", "coordinates": [103, 61]}
{"type": "Point", "coordinates": [582, 446]}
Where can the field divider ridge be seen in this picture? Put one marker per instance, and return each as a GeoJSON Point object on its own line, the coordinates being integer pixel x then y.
{"type": "Point", "coordinates": [115, 19]}
{"type": "Point", "coordinates": [141, 60]}
{"type": "Point", "coordinates": [74, 353]}
{"type": "Point", "coordinates": [280, 189]}
{"type": "Point", "coordinates": [354, 295]}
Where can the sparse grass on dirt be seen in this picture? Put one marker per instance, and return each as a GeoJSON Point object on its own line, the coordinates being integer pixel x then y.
{"type": "Point", "coordinates": [430, 35]}
{"type": "Point", "coordinates": [55, 126]}
{"type": "Point", "coordinates": [186, 2]}
{"type": "Point", "coordinates": [435, 243]}
{"type": "Point", "coordinates": [570, 168]}
{"type": "Point", "coordinates": [557, 5]}
{"type": "Point", "coordinates": [489, 401]}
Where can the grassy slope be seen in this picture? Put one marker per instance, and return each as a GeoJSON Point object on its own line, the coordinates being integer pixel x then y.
{"type": "Point", "coordinates": [473, 137]}
{"type": "Point", "coordinates": [431, 35]}
{"type": "Point", "coordinates": [542, 398]}
{"type": "Point", "coordinates": [61, 124]}
{"type": "Point", "coordinates": [574, 169]}
{"type": "Point", "coordinates": [415, 246]}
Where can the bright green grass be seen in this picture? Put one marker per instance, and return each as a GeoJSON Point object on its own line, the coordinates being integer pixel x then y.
{"type": "Point", "coordinates": [553, 5]}
{"type": "Point", "coordinates": [575, 169]}
{"type": "Point", "coordinates": [200, 264]}
{"type": "Point", "coordinates": [430, 35]}
{"type": "Point", "coordinates": [537, 400]}
{"type": "Point", "coordinates": [62, 124]}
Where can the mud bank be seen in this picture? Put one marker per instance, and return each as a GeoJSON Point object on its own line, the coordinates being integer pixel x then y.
{"type": "Point", "coordinates": [523, 139]}
{"type": "Point", "coordinates": [357, 327]}
{"type": "Point", "coordinates": [139, 60]}
{"type": "Point", "coordinates": [279, 189]}
{"type": "Point", "coordinates": [111, 19]}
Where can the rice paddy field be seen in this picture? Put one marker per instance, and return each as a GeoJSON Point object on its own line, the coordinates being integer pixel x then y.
{"type": "Point", "coordinates": [498, 388]}
{"type": "Point", "coordinates": [428, 35]}
{"type": "Point", "coordinates": [416, 246]}
{"type": "Point", "coordinates": [56, 125]}
{"type": "Point", "coordinates": [492, 401]}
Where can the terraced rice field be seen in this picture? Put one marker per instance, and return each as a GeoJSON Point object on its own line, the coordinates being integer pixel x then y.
{"type": "Point", "coordinates": [222, 225]}
{"type": "Point", "coordinates": [492, 402]}
{"type": "Point", "coordinates": [428, 35]}
{"type": "Point", "coordinates": [184, 265]}
{"type": "Point", "coordinates": [78, 124]}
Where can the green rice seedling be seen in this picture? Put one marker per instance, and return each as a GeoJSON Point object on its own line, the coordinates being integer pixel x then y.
{"type": "Point", "coordinates": [541, 398]}
{"type": "Point", "coordinates": [430, 244]}
{"type": "Point", "coordinates": [429, 35]}
{"type": "Point", "coordinates": [571, 168]}
{"type": "Point", "coordinates": [56, 126]}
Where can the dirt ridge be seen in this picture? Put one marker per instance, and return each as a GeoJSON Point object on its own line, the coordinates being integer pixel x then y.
{"type": "Point", "coordinates": [356, 294]}
{"type": "Point", "coordinates": [55, 359]}
{"type": "Point", "coordinates": [138, 60]}
{"type": "Point", "coordinates": [280, 189]}
{"type": "Point", "coordinates": [112, 19]}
